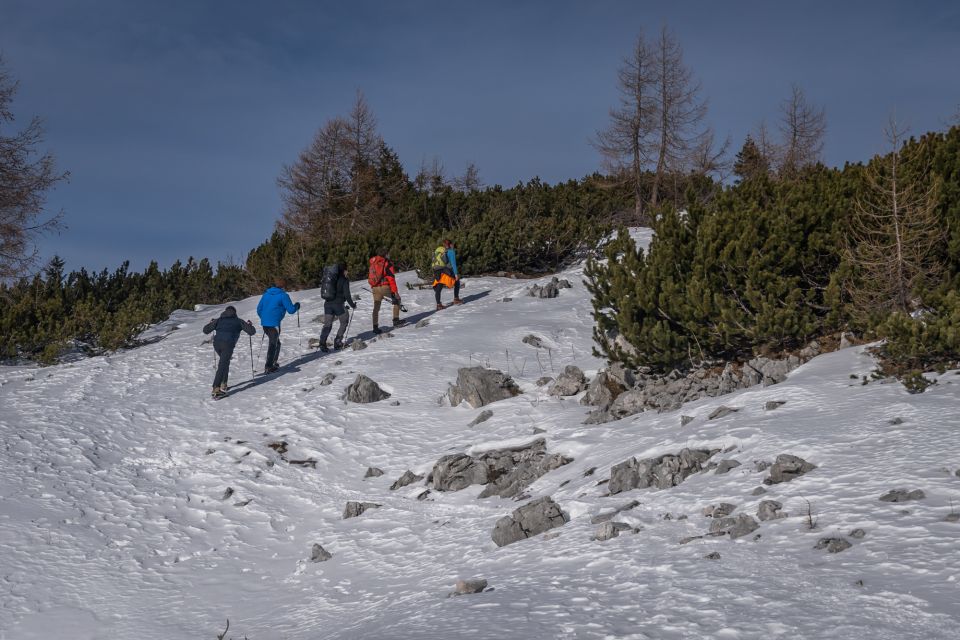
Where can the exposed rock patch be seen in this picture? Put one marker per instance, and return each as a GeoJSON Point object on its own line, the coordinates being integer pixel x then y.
{"type": "Point", "coordinates": [364, 390]}
{"type": "Point", "coordinates": [832, 545]}
{"type": "Point", "coordinates": [770, 510]}
{"type": "Point", "coordinates": [661, 472]}
{"type": "Point", "coordinates": [569, 383]}
{"type": "Point", "coordinates": [788, 467]}
{"type": "Point", "coordinates": [533, 341]}
{"type": "Point", "coordinates": [466, 587]}
{"type": "Point", "coordinates": [485, 415]}
{"type": "Point", "coordinates": [736, 527]}
{"type": "Point", "coordinates": [408, 477]}
{"type": "Point", "coordinates": [721, 510]}
{"type": "Point", "coordinates": [373, 472]}
{"type": "Point", "coordinates": [902, 495]}
{"type": "Point", "coordinates": [319, 554]}
{"type": "Point", "coordinates": [610, 530]}
{"type": "Point", "coordinates": [726, 466]}
{"type": "Point", "coordinates": [600, 518]}
{"type": "Point", "coordinates": [529, 520]}
{"type": "Point", "coordinates": [480, 386]}
{"type": "Point", "coordinates": [354, 509]}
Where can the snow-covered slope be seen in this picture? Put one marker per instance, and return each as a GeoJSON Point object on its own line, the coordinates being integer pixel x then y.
{"type": "Point", "coordinates": [113, 471]}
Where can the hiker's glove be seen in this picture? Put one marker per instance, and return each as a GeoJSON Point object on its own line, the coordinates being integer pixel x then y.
{"type": "Point", "coordinates": [297, 306]}
{"type": "Point", "coordinates": [396, 299]}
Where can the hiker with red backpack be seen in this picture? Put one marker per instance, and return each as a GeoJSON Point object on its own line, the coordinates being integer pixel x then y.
{"type": "Point", "coordinates": [383, 284]}
{"type": "Point", "coordinates": [335, 291]}
{"type": "Point", "coordinates": [445, 273]}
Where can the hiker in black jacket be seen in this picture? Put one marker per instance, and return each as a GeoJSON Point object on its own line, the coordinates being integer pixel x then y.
{"type": "Point", "coordinates": [334, 306]}
{"type": "Point", "coordinates": [228, 327]}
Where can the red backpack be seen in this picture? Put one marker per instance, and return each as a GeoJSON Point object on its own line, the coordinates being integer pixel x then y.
{"type": "Point", "coordinates": [379, 268]}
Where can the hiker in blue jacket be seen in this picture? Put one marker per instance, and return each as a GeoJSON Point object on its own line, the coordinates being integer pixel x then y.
{"type": "Point", "coordinates": [228, 327]}
{"type": "Point", "coordinates": [445, 272]}
{"type": "Point", "coordinates": [274, 304]}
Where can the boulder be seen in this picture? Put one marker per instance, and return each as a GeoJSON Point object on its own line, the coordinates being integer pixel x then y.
{"type": "Point", "coordinates": [737, 527]}
{"type": "Point", "coordinates": [759, 491]}
{"type": "Point", "coordinates": [770, 405]}
{"type": "Point", "coordinates": [561, 284]}
{"type": "Point", "coordinates": [549, 290]}
{"type": "Point", "coordinates": [328, 379]}
{"type": "Point", "coordinates": [788, 467]}
{"type": "Point", "coordinates": [833, 545]}
{"type": "Point", "coordinates": [602, 391]}
{"type": "Point", "coordinates": [408, 477]}
{"type": "Point", "coordinates": [722, 411]}
{"type": "Point", "coordinates": [373, 472]}
{"type": "Point", "coordinates": [857, 534]}
{"type": "Point", "coordinates": [715, 555]}
{"type": "Point", "coordinates": [364, 390]}
{"type": "Point", "coordinates": [529, 520]}
{"type": "Point", "coordinates": [685, 420]}
{"type": "Point", "coordinates": [533, 341]}
{"type": "Point", "coordinates": [721, 510]}
{"type": "Point", "coordinates": [544, 380]}
{"type": "Point", "coordinates": [609, 530]}
{"type": "Point", "coordinates": [480, 386]}
{"type": "Point", "coordinates": [485, 415]}
{"type": "Point", "coordinates": [770, 510]}
{"type": "Point", "coordinates": [726, 466]}
{"type": "Point", "coordinates": [466, 587]}
{"type": "Point", "coordinates": [354, 509]}
{"type": "Point", "coordinates": [661, 472]}
{"type": "Point", "coordinates": [569, 383]}
{"type": "Point", "coordinates": [319, 554]}
{"type": "Point", "coordinates": [902, 495]}
{"type": "Point", "coordinates": [506, 472]}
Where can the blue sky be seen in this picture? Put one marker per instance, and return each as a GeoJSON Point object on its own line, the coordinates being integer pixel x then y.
{"type": "Point", "coordinates": [175, 118]}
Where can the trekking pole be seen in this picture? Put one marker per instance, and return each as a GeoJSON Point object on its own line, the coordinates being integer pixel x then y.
{"type": "Point", "coordinates": [260, 350]}
{"type": "Point", "coordinates": [253, 374]}
{"type": "Point", "coordinates": [299, 338]}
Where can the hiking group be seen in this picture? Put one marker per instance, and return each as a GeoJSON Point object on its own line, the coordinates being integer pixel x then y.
{"type": "Point", "coordinates": [275, 304]}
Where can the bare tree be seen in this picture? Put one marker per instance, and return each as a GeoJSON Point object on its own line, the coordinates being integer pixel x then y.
{"type": "Point", "coordinates": [895, 233]}
{"type": "Point", "coordinates": [432, 176]}
{"type": "Point", "coordinates": [680, 112]}
{"type": "Point", "coordinates": [25, 178]}
{"type": "Point", "coordinates": [802, 129]}
{"type": "Point", "coordinates": [469, 181]}
{"type": "Point", "coordinates": [626, 146]}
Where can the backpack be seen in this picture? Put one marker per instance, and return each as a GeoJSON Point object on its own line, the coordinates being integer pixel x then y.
{"type": "Point", "coordinates": [328, 283]}
{"type": "Point", "coordinates": [377, 275]}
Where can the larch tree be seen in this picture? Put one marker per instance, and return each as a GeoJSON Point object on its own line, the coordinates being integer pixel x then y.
{"type": "Point", "coordinates": [802, 130]}
{"type": "Point", "coordinates": [26, 175]}
{"type": "Point", "coordinates": [895, 234]}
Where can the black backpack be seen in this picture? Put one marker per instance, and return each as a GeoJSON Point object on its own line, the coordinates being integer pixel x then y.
{"type": "Point", "coordinates": [328, 284]}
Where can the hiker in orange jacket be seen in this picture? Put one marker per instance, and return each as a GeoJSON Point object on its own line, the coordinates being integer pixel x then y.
{"type": "Point", "coordinates": [383, 284]}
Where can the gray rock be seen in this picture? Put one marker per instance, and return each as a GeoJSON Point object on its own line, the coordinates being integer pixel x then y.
{"type": "Point", "coordinates": [364, 390]}
{"type": "Point", "coordinates": [737, 527]}
{"type": "Point", "coordinates": [857, 534]}
{"type": "Point", "coordinates": [895, 421]}
{"type": "Point", "coordinates": [480, 386]}
{"type": "Point", "coordinates": [549, 290]}
{"type": "Point", "coordinates": [953, 516]}
{"type": "Point", "coordinates": [661, 472]}
{"type": "Point", "coordinates": [602, 391]}
{"type": "Point", "coordinates": [538, 431]}
{"type": "Point", "coordinates": [770, 510]}
{"type": "Point", "coordinates": [609, 530]}
{"type": "Point", "coordinates": [395, 403]}
{"type": "Point", "coordinates": [422, 323]}
{"type": "Point", "coordinates": [358, 345]}
{"type": "Point", "coordinates": [423, 495]}
{"type": "Point", "coordinates": [545, 380]}
{"type": "Point", "coordinates": [408, 477]}
{"type": "Point", "coordinates": [506, 472]}
{"type": "Point", "coordinates": [328, 379]}
{"type": "Point", "coordinates": [373, 472]}
{"type": "Point", "coordinates": [759, 491]}
{"type": "Point", "coordinates": [721, 510]}
{"type": "Point", "coordinates": [722, 411]}
{"type": "Point", "coordinates": [561, 284]}
{"type": "Point", "coordinates": [761, 465]}
{"type": "Point", "coordinates": [569, 383]}
{"type": "Point", "coordinates": [812, 350]}
{"type": "Point", "coordinates": [600, 518]}
{"type": "Point", "coordinates": [319, 554]}
{"type": "Point", "coordinates": [354, 509]}
{"type": "Point", "coordinates": [466, 587]}
{"type": "Point", "coordinates": [712, 556]}
{"type": "Point", "coordinates": [506, 300]}
{"type": "Point", "coordinates": [227, 493]}
{"type": "Point", "coordinates": [833, 545]}
{"type": "Point", "coordinates": [788, 467]}
{"type": "Point", "coordinates": [533, 341]}
{"type": "Point", "coordinates": [685, 420]}
{"type": "Point", "coordinates": [485, 415]}
{"type": "Point", "coordinates": [726, 466]}
{"type": "Point", "coordinates": [770, 405]}
{"type": "Point", "coordinates": [529, 520]}
{"type": "Point", "coordinates": [902, 495]}
{"type": "Point", "coordinates": [846, 340]}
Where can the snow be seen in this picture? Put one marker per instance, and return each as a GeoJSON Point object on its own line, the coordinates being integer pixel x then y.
{"type": "Point", "coordinates": [113, 472]}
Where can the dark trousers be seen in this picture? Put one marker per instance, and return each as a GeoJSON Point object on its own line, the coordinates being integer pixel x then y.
{"type": "Point", "coordinates": [333, 310]}
{"type": "Point", "coordinates": [224, 351]}
{"type": "Point", "coordinates": [273, 350]}
{"type": "Point", "coordinates": [439, 287]}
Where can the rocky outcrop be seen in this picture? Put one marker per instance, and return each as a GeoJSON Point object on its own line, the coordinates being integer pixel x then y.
{"type": "Point", "coordinates": [408, 478]}
{"type": "Point", "coordinates": [736, 527]}
{"type": "Point", "coordinates": [788, 467]}
{"type": "Point", "coordinates": [610, 530]}
{"type": "Point", "coordinates": [529, 520]}
{"type": "Point", "coordinates": [602, 391]}
{"type": "Point", "coordinates": [726, 466]}
{"type": "Point", "coordinates": [549, 290]}
{"type": "Point", "coordinates": [721, 510]}
{"type": "Point", "coordinates": [902, 495]}
{"type": "Point", "coordinates": [506, 472]}
{"type": "Point", "coordinates": [480, 386]}
{"type": "Point", "coordinates": [833, 545]}
{"type": "Point", "coordinates": [569, 383]}
{"type": "Point", "coordinates": [364, 390]}
{"type": "Point", "coordinates": [770, 510]}
{"type": "Point", "coordinates": [354, 509]}
{"type": "Point", "coordinates": [466, 587]}
{"type": "Point", "coordinates": [373, 472]}
{"type": "Point", "coordinates": [533, 341]}
{"type": "Point", "coordinates": [319, 554]}
{"type": "Point", "coordinates": [661, 472]}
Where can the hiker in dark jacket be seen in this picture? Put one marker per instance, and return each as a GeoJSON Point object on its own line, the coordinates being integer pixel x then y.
{"type": "Point", "coordinates": [273, 306]}
{"type": "Point", "coordinates": [228, 327]}
{"type": "Point", "coordinates": [336, 308]}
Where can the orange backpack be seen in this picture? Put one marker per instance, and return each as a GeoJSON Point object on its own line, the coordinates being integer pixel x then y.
{"type": "Point", "coordinates": [377, 276]}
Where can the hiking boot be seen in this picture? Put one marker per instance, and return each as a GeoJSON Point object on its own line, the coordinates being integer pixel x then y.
{"type": "Point", "coordinates": [457, 301]}
{"type": "Point", "coordinates": [223, 387]}
{"type": "Point", "coordinates": [338, 344]}
{"type": "Point", "coordinates": [377, 330]}
{"type": "Point", "coordinates": [218, 393]}
{"type": "Point", "coordinates": [324, 348]}
{"type": "Point", "coordinates": [440, 307]}
{"type": "Point", "coordinates": [399, 323]}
